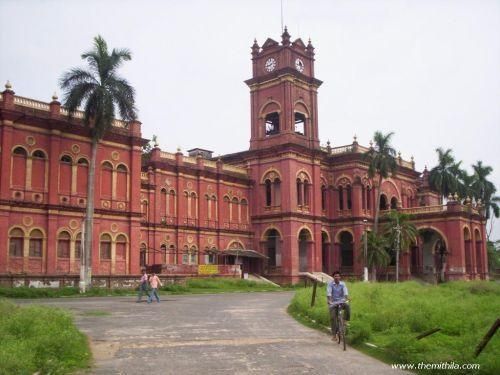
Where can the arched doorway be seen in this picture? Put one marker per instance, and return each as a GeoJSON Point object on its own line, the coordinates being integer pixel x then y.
{"type": "Point", "coordinates": [383, 202]}
{"type": "Point", "coordinates": [432, 255]}
{"type": "Point", "coordinates": [304, 241]}
{"type": "Point", "coordinates": [326, 254]}
{"type": "Point", "coordinates": [468, 252]}
{"type": "Point", "coordinates": [346, 252]}
{"type": "Point", "coordinates": [479, 246]}
{"type": "Point", "coordinates": [272, 249]}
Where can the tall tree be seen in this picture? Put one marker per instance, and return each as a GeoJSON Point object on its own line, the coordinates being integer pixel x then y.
{"type": "Point", "coordinates": [101, 92]}
{"type": "Point", "coordinates": [485, 190]}
{"type": "Point", "coordinates": [377, 255]}
{"type": "Point", "coordinates": [444, 176]}
{"type": "Point", "coordinates": [382, 162]}
{"type": "Point", "coordinates": [401, 234]}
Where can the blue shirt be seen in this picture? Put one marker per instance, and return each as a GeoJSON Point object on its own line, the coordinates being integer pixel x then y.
{"type": "Point", "coordinates": [338, 292]}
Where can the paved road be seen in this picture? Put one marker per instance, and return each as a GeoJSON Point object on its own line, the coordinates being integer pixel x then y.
{"type": "Point", "coordinates": [244, 333]}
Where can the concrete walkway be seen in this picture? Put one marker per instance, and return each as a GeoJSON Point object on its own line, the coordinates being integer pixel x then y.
{"type": "Point", "coordinates": [238, 333]}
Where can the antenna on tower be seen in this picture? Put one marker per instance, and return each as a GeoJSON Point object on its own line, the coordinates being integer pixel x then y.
{"type": "Point", "coordinates": [281, 1]}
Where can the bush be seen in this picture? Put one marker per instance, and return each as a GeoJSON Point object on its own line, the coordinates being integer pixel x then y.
{"type": "Point", "coordinates": [40, 339]}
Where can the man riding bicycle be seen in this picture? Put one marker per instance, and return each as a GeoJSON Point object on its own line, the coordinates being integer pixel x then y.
{"type": "Point", "coordinates": [337, 295]}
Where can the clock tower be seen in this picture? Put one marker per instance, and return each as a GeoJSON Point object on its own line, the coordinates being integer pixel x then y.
{"type": "Point", "coordinates": [283, 93]}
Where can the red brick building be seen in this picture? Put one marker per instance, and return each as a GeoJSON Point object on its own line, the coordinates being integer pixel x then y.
{"type": "Point", "coordinates": [285, 206]}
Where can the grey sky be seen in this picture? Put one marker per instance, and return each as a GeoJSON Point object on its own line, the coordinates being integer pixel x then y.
{"type": "Point", "coordinates": [426, 69]}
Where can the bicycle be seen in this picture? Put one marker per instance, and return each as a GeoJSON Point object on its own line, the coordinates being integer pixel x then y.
{"type": "Point", "coordinates": [341, 327]}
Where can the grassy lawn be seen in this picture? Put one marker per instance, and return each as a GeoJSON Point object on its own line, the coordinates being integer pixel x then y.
{"type": "Point", "coordinates": [36, 339]}
{"type": "Point", "coordinates": [191, 286]}
{"type": "Point", "coordinates": [390, 316]}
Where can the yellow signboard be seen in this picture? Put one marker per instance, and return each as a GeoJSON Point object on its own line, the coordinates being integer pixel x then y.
{"type": "Point", "coordinates": [208, 269]}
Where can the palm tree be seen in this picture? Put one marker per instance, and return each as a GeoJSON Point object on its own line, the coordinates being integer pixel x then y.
{"type": "Point", "coordinates": [444, 176]}
{"type": "Point", "coordinates": [400, 232]}
{"type": "Point", "coordinates": [382, 159]}
{"type": "Point", "coordinates": [377, 255]}
{"type": "Point", "coordinates": [485, 191]}
{"type": "Point", "coordinates": [101, 92]}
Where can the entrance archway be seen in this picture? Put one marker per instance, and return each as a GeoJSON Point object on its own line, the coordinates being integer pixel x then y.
{"type": "Point", "coordinates": [346, 251]}
{"type": "Point", "coordinates": [304, 241]}
{"type": "Point", "coordinates": [432, 255]}
{"type": "Point", "coordinates": [272, 249]}
{"type": "Point", "coordinates": [326, 254]}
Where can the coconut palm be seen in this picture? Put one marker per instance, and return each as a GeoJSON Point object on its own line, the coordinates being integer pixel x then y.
{"type": "Point", "coordinates": [444, 177]}
{"type": "Point", "coordinates": [377, 255]}
{"type": "Point", "coordinates": [101, 92]}
{"type": "Point", "coordinates": [401, 233]}
{"type": "Point", "coordinates": [382, 161]}
{"type": "Point", "coordinates": [485, 191]}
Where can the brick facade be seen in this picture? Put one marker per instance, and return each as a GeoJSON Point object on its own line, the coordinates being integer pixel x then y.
{"type": "Point", "coordinates": [302, 207]}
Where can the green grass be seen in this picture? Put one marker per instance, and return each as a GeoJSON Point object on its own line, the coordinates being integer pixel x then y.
{"type": "Point", "coordinates": [36, 339]}
{"type": "Point", "coordinates": [218, 285]}
{"type": "Point", "coordinates": [191, 286]}
{"type": "Point", "coordinates": [392, 315]}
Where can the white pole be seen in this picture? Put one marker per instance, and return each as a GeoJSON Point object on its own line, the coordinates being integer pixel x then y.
{"type": "Point", "coordinates": [365, 268]}
{"type": "Point", "coordinates": [82, 283]}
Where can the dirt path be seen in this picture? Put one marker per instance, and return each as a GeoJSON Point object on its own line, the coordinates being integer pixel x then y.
{"type": "Point", "coordinates": [239, 333]}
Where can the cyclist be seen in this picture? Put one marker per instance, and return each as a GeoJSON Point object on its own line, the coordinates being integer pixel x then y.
{"type": "Point", "coordinates": [337, 294]}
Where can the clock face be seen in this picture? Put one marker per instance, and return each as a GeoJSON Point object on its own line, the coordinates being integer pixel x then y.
{"type": "Point", "coordinates": [270, 64]}
{"type": "Point", "coordinates": [299, 65]}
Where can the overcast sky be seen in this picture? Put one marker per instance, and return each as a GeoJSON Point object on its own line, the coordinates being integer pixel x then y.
{"type": "Point", "coordinates": [429, 70]}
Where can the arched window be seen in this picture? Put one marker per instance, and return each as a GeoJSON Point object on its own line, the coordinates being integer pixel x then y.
{"type": "Point", "coordinates": [348, 196]}
{"type": "Point", "coordinates": [306, 192]}
{"type": "Point", "coordinates": [105, 247]}
{"type": "Point", "coordinates": [121, 182]}
{"type": "Point", "coordinates": [38, 170]}
{"type": "Point", "coordinates": [268, 193]}
{"type": "Point", "coordinates": [82, 172]}
{"type": "Point", "coordinates": [185, 255]}
{"type": "Point", "coordinates": [368, 198]}
{"type": "Point", "coordinates": [16, 242]}
{"type": "Point", "coordinates": [323, 197]}
{"type": "Point", "coordinates": [106, 180]}
{"type": "Point", "coordinates": [63, 243]}
{"type": "Point", "coordinates": [142, 255]}
{"type": "Point", "coordinates": [363, 197]}
{"type": "Point", "coordinates": [171, 250]}
{"type": "Point", "coordinates": [394, 203]}
{"type": "Point", "coordinates": [272, 123]}
{"type": "Point", "coordinates": [121, 247]}
{"type": "Point", "coordinates": [144, 210]}
{"type": "Point", "coordinates": [234, 210]}
{"type": "Point", "coordinates": [36, 244]}
{"type": "Point", "coordinates": [78, 246]}
{"type": "Point", "coordinates": [163, 251]}
{"type": "Point", "coordinates": [346, 249]}
{"type": "Point", "coordinates": [19, 156]}
{"type": "Point", "coordinates": [299, 192]}
{"type": "Point", "coordinates": [244, 211]}
{"type": "Point", "coordinates": [277, 192]}
{"type": "Point", "coordinates": [163, 204]}
{"type": "Point", "coordinates": [300, 123]}
{"type": "Point", "coordinates": [383, 202]}
{"type": "Point", "coordinates": [341, 198]}
{"type": "Point", "coordinates": [193, 255]}
{"type": "Point", "coordinates": [194, 205]}
{"type": "Point", "coordinates": [65, 172]}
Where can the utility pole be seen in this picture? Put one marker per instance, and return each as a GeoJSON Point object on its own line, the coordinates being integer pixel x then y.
{"type": "Point", "coordinates": [397, 228]}
{"type": "Point", "coordinates": [365, 252]}
{"type": "Point", "coordinates": [83, 261]}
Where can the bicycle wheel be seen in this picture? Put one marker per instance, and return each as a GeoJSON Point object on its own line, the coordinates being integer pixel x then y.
{"type": "Point", "coordinates": [340, 327]}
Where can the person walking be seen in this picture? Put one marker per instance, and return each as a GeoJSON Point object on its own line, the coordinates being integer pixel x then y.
{"type": "Point", "coordinates": [143, 286]}
{"type": "Point", "coordinates": [154, 281]}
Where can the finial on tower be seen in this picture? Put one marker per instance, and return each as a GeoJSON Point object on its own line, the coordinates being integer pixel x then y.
{"type": "Point", "coordinates": [255, 48]}
{"type": "Point", "coordinates": [54, 97]}
{"type": "Point", "coordinates": [8, 85]}
{"type": "Point", "coordinates": [285, 38]}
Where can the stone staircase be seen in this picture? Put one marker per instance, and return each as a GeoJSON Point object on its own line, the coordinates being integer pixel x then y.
{"type": "Point", "coordinates": [260, 279]}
